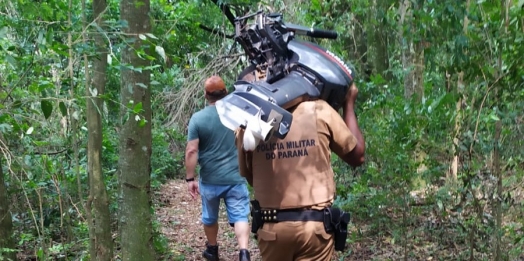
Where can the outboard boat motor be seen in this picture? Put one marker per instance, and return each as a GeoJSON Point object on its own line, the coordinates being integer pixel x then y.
{"type": "Point", "coordinates": [283, 72]}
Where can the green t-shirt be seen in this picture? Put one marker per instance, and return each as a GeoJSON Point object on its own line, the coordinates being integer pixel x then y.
{"type": "Point", "coordinates": [217, 153]}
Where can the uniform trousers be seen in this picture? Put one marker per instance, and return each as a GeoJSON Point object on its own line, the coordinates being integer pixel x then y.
{"type": "Point", "coordinates": [295, 241]}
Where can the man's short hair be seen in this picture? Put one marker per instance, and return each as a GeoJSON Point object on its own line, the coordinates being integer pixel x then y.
{"type": "Point", "coordinates": [215, 86]}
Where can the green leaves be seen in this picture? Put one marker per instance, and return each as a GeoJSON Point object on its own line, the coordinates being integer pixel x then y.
{"type": "Point", "coordinates": [160, 51]}
{"type": "Point", "coordinates": [158, 48]}
{"type": "Point", "coordinates": [439, 102]}
{"type": "Point", "coordinates": [4, 127]}
{"type": "Point", "coordinates": [63, 108]}
{"type": "Point", "coordinates": [3, 32]}
{"type": "Point", "coordinates": [141, 85]}
{"type": "Point", "coordinates": [145, 36]}
{"type": "Point", "coordinates": [137, 108]}
{"type": "Point", "coordinates": [47, 108]}
{"type": "Point", "coordinates": [134, 111]}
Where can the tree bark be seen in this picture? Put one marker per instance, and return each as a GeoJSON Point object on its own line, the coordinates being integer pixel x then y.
{"type": "Point", "coordinates": [498, 198]}
{"type": "Point", "coordinates": [406, 44]}
{"type": "Point", "coordinates": [135, 139]}
{"type": "Point", "coordinates": [458, 107]}
{"type": "Point", "coordinates": [378, 38]}
{"type": "Point", "coordinates": [101, 243]}
{"type": "Point", "coordinates": [497, 171]}
{"type": "Point", "coordinates": [412, 53]}
{"type": "Point", "coordinates": [6, 223]}
{"type": "Point", "coordinates": [360, 48]}
{"type": "Point", "coordinates": [418, 77]}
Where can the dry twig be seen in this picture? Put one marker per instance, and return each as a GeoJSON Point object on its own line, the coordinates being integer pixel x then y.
{"type": "Point", "coordinates": [181, 103]}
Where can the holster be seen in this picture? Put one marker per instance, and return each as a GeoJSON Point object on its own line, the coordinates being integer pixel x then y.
{"type": "Point", "coordinates": [336, 221]}
{"type": "Point", "coordinates": [256, 216]}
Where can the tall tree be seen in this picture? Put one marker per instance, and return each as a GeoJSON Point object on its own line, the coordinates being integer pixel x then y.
{"type": "Point", "coordinates": [497, 171]}
{"type": "Point", "coordinates": [412, 52]}
{"type": "Point", "coordinates": [98, 201]}
{"type": "Point", "coordinates": [6, 224]}
{"type": "Point", "coordinates": [135, 136]}
{"type": "Point", "coordinates": [378, 37]}
{"type": "Point", "coordinates": [453, 173]}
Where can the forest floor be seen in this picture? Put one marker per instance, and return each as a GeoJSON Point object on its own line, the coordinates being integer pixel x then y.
{"type": "Point", "coordinates": [179, 216]}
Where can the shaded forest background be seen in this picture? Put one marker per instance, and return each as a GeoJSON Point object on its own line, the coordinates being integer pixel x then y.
{"type": "Point", "coordinates": [106, 88]}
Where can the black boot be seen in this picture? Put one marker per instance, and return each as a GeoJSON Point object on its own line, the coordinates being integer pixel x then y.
{"type": "Point", "coordinates": [244, 255]}
{"type": "Point", "coordinates": [211, 252]}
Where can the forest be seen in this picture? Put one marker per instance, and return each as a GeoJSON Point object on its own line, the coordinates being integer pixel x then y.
{"type": "Point", "coordinates": [95, 97]}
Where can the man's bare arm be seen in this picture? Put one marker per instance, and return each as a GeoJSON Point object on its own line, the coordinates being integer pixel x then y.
{"type": "Point", "coordinates": [191, 158]}
{"type": "Point", "coordinates": [249, 173]}
{"type": "Point", "coordinates": [355, 157]}
{"type": "Point", "coordinates": [244, 158]}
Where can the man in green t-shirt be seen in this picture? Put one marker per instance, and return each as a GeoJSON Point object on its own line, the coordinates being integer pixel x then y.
{"type": "Point", "coordinates": [211, 145]}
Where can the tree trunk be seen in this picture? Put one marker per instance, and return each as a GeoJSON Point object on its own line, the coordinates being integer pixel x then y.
{"type": "Point", "coordinates": [497, 171]}
{"type": "Point", "coordinates": [360, 54]}
{"type": "Point", "coordinates": [6, 224]}
{"type": "Point", "coordinates": [418, 88]}
{"type": "Point", "coordinates": [452, 177]}
{"type": "Point", "coordinates": [419, 67]}
{"type": "Point", "coordinates": [406, 44]}
{"type": "Point", "coordinates": [412, 53]}
{"type": "Point", "coordinates": [98, 202]}
{"type": "Point", "coordinates": [497, 200]}
{"type": "Point", "coordinates": [135, 139]}
{"type": "Point", "coordinates": [378, 38]}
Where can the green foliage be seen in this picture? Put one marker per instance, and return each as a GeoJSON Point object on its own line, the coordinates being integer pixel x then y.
{"type": "Point", "coordinates": [162, 161]}
{"type": "Point", "coordinates": [396, 128]}
{"type": "Point", "coordinates": [401, 195]}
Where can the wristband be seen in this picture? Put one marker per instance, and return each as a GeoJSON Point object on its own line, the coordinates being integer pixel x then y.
{"type": "Point", "coordinates": [191, 179]}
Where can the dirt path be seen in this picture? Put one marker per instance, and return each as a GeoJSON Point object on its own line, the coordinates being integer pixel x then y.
{"type": "Point", "coordinates": [179, 216]}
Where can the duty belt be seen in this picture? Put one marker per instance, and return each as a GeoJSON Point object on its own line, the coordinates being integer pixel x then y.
{"type": "Point", "coordinates": [275, 215]}
{"type": "Point", "coordinates": [335, 220]}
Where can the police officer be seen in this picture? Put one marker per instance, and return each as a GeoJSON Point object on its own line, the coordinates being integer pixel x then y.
{"type": "Point", "coordinates": [293, 181]}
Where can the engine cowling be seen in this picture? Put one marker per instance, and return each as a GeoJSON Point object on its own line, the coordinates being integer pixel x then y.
{"type": "Point", "coordinates": [261, 107]}
{"type": "Point", "coordinates": [334, 75]}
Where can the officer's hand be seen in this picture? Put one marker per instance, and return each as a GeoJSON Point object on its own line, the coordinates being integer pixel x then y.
{"type": "Point", "coordinates": [351, 96]}
{"type": "Point", "coordinates": [192, 187]}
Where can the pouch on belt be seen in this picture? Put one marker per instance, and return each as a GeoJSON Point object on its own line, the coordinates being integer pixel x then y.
{"type": "Point", "coordinates": [256, 215]}
{"type": "Point", "coordinates": [336, 221]}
